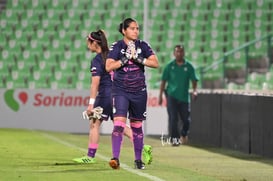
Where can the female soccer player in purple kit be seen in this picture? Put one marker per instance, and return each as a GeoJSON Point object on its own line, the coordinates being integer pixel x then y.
{"type": "Point", "coordinates": [127, 58]}
{"type": "Point", "coordinates": [100, 90]}
{"type": "Point", "coordinates": [100, 93]}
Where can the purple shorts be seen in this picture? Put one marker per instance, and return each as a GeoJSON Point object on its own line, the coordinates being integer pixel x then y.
{"type": "Point", "coordinates": [133, 102]}
{"type": "Point", "coordinates": [106, 104]}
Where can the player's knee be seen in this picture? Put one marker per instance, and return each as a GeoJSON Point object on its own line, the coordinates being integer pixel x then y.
{"type": "Point", "coordinates": [137, 124]}
{"type": "Point", "coordinates": [118, 127]}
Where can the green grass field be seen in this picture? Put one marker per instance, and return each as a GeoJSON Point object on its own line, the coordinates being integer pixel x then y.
{"type": "Point", "coordinates": [39, 155]}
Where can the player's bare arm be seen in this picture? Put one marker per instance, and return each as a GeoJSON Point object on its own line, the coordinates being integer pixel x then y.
{"type": "Point", "coordinates": [151, 61]}
{"type": "Point", "coordinates": [112, 64]}
{"type": "Point", "coordinates": [93, 91]}
{"type": "Point", "coordinates": [94, 86]}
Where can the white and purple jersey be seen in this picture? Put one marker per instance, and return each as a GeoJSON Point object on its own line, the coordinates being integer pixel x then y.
{"type": "Point", "coordinates": [97, 68]}
{"type": "Point", "coordinates": [129, 77]}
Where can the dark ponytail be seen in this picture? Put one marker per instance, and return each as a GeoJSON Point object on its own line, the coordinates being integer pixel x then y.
{"type": "Point", "coordinates": [100, 37]}
{"type": "Point", "coordinates": [104, 45]}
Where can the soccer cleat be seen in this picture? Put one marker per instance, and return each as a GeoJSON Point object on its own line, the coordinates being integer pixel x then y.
{"type": "Point", "coordinates": [147, 154]}
{"type": "Point", "coordinates": [139, 165]}
{"type": "Point", "coordinates": [175, 142]}
{"type": "Point", "coordinates": [85, 159]}
{"type": "Point", "coordinates": [114, 163]}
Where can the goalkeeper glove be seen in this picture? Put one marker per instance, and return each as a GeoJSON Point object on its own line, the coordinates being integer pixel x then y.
{"type": "Point", "coordinates": [95, 114]}
{"type": "Point", "coordinates": [131, 50]}
{"type": "Point", "coordinates": [140, 60]}
{"type": "Point", "coordinates": [123, 61]}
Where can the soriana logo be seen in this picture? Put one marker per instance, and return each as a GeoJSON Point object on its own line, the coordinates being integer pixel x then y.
{"type": "Point", "coordinates": [60, 100]}
{"type": "Point", "coordinates": [14, 99]}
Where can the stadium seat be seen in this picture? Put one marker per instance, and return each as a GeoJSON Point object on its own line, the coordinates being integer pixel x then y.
{"type": "Point", "coordinates": [206, 28]}
{"type": "Point", "coordinates": [256, 82]}
{"type": "Point", "coordinates": [83, 80]}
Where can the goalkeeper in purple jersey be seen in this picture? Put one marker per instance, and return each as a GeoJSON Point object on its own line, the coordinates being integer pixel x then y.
{"type": "Point", "coordinates": [128, 58]}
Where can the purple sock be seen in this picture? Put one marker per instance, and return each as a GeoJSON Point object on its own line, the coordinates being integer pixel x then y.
{"type": "Point", "coordinates": [138, 142]}
{"type": "Point", "coordinates": [117, 136]}
{"type": "Point", "coordinates": [92, 149]}
{"type": "Point", "coordinates": [91, 152]}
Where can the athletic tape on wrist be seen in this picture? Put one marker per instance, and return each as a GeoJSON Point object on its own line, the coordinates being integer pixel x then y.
{"type": "Point", "coordinates": [145, 59]}
{"type": "Point", "coordinates": [91, 101]}
{"type": "Point", "coordinates": [121, 63]}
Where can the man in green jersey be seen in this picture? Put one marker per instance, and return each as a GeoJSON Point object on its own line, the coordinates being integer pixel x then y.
{"type": "Point", "coordinates": [177, 76]}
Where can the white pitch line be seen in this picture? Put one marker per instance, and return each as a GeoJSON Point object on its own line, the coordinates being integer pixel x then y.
{"type": "Point", "coordinates": [122, 165]}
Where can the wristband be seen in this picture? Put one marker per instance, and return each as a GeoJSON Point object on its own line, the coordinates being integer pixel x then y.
{"type": "Point", "coordinates": [121, 63]}
{"type": "Point", "coordinates": [145, 59]}
{"type": "Point", "coordinates": [91, 101]}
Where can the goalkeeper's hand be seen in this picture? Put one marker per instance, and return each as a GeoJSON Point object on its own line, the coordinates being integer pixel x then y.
{"type": "Point", "coordinates": [131, 52]}
{"type": "Point", "coordinates": [140, 60]}
{"type": "Point", "coordinates": [95, 114]}
{"type": "Point", "coordinates": [86, 114]}
{"type": "Point", "coordinates": [123, 60]}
